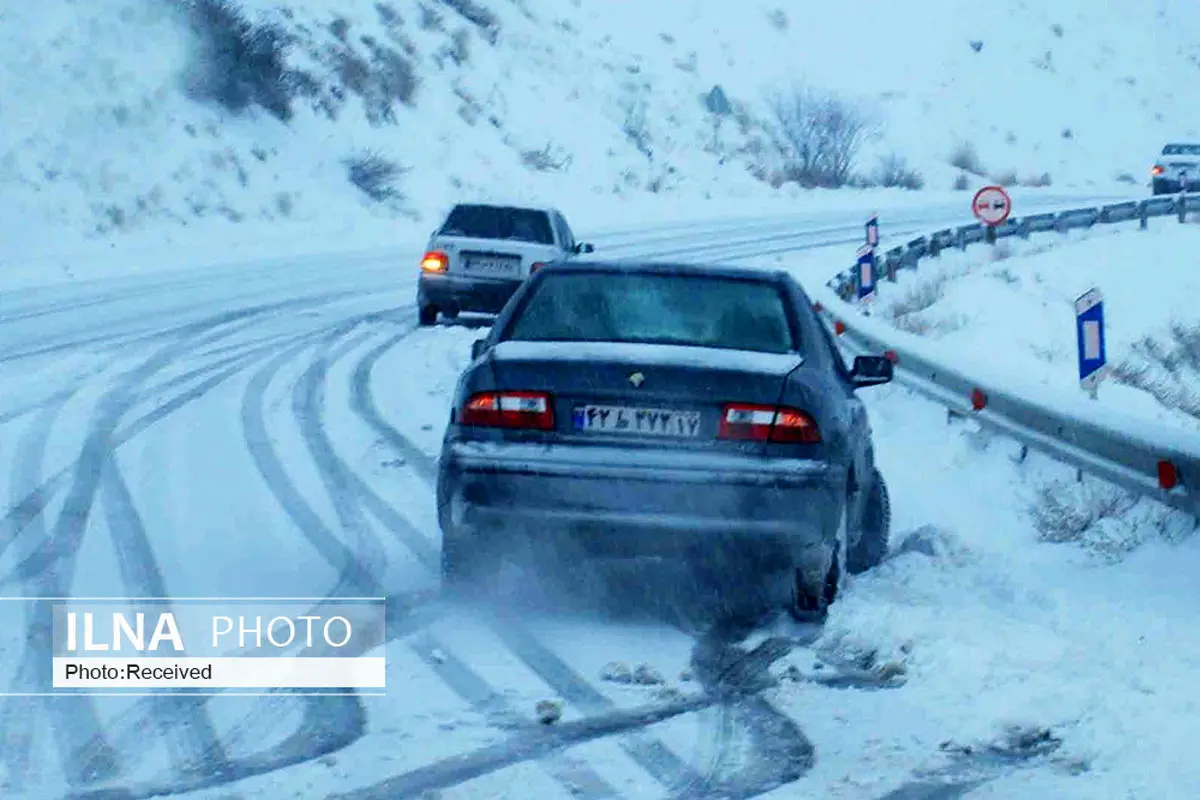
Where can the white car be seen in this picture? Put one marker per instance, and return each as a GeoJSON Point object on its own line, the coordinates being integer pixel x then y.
{"type": "Point", "coordinates": [1177, 169]}
{"type": "Point", "coordinates": [481, 253]}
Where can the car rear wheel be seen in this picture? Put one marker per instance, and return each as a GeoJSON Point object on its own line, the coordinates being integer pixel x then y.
{"type": "Point", "coordinates": [876, 524]}
{"type": "Point", "coordinates": [427, 315]}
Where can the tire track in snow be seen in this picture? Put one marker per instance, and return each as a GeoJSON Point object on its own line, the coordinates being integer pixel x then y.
{"type": "Point", "coordinates": [576, 776]}
{"type": "Point", "coordinates": [20, 515]}
{"type": "Point", "coordinates": [354, 578]}
{"type": "Point", "coordinates": [83, 748]}
{"type": "Point", "coordinates": [86, 754]}
{"type": "Point", "coordinates": [185, 724]}
{"type": "Point", "coordinates": [19, 712]}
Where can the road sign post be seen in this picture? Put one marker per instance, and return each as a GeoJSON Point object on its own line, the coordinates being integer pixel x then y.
{"type": "Point", "coordinates": [1089, 336]}
{"type": "Point", "coordinates": [865, 273]}
{"type": "Point", "coordinates": [991, 206]}
{"type": "Point", "coordinates": [873, 231]}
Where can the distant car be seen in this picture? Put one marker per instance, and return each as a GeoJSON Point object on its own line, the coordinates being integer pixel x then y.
{"type": "Point", "coordinates": [479, 255]}
{"type": "Point", "coordinates": [1176, 168]}
{"type": "Point", "coordinates": [699, 413]}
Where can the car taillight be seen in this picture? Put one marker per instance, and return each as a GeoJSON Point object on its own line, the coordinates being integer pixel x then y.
{"type": "Point", "coordinates": [435, 261]}
{"type": "Point", "coordinates": [746, 422]}
{"type": "Point", "coordinates": [535, 266]}
{"type": "Point", "coordinates": [509, 410]}
{"type": "Point", "coordinates": [1157, 169]}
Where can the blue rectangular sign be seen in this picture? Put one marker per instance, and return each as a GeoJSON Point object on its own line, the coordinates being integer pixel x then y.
{"type": "Point", "coordinates": [865, 273]}
{"type": "Point", "coordinates": [1089, 335]}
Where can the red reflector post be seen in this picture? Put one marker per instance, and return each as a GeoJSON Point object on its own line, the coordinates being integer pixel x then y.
{"type": "Point", "coordinates": [978, 400]}
{"type": "Point", "coordinates": [757, 423]}
{"type": "Point", "coordinates": [891, 356]}
{"type": "Point", "coordinates": [530, 410]}
{"type": "Point", "coordinates": [839, 327]}
{"type": "Point", "coordinates": [1168, 476]}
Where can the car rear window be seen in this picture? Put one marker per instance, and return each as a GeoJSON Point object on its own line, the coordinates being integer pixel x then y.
{"type": "Point", "coordinates": [1181, 150]}
{"type": "Point", "coordinates": [497, 222]}
{"type": "Point", "coordinates": [696, 310]}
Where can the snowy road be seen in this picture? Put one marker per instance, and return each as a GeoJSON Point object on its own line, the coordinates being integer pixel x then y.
{"type": "Point", "coordinates": [272, 431]}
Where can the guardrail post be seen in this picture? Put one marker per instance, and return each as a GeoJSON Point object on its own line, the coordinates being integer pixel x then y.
{"type": "Point", "coordinates": [935, 246]}
{"type": "Point", "coordinates": [889, 267]}
{"type": "Point", "coordinates": [960, 239]}
{"type": "Point", "coordinates": [1143, 217]}
{"type": "Point", "coordinates": [1181, 205]}
{"type": "Point", "coordinates": [1060, 224]}
{"type": "Point", "coordinates": [1023, 228]}
{"type": "Point", "coordinates": [991, 234]}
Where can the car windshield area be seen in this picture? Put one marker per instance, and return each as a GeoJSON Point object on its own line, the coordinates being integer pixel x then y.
{"type": "Point", "coordinates": [1181, 150]}
{"type": "Point", "coordinates": [693, 310]}
{"type": "Point", "coordinates": [499, 222]}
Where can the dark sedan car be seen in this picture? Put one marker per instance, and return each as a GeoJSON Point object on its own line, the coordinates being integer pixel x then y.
{"type": "Point", "coordinates": [697, 413]}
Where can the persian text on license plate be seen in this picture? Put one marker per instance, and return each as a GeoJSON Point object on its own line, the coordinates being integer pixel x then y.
{"type": "Point", "coordinates": [649, 421]}
{"type": "Point", "coordinates": [493, 266]}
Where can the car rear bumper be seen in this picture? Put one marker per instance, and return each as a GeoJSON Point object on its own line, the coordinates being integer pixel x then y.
{"type": "Point", "coordinates": [465, 294]}
{"type": "Point", "coordinates": [1173, 186]}
{"type": "Point", "coordinates": [625, 502]}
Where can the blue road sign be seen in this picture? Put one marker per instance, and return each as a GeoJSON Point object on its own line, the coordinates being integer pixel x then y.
{"type": "Point", "coordinates": [873, 231]}
{"type": "Point", "coordinates": [1089, 334]}
{"type": "Point", "coordinates": [865, 273]}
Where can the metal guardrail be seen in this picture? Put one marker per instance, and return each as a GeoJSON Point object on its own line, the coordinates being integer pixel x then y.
{"type": "Point", "coordinates": [1145, 458]}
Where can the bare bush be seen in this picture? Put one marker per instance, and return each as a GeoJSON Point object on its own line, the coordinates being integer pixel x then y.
{"type": "Point", "coordinates": [917, 299]}
{"type": "Point", "coordinates": [893, 172]}
{"type": "Point", "coordinates": [1008, 178]}
{"type": "Point", "coordinates": [1064, 512]}
{"type": "Point", "coordinates": [635, 126]}
{"type": "Point", "coordinates": [966, 158]}
{"type": "Point", "coordinates": [778, 19]}
{"type": "Point", "coordinates": [1037, 181]}
{"type": "Point", "coordinates": [1168, 370]}
{"type": "Point", "coordinates": [548, 159]}
{"type": "Point", "coordinates": [238, 63]}
{"type": "Point", "coordinates": [458, 49]}
{"type": "Point", "coordinates": [375, 175]}
{"type": "Point", "coordinates": [478, 15]}
{"type": "Point", "coordinates": [1126, 177]}
{"type": "Point", "coordinates": [818, 135]}
{"type": "Point", "coordinates": [961, 182]}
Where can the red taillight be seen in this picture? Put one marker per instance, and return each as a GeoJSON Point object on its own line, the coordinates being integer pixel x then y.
{"type": "Point", "coordinates": [509, 410]}
{"type": "Point", "coordinates": [535, 266]}
{"type": "Point", "coordinates": [435, 261]}
{"type": "Point", "coordinates": [745, 422]}
{"type": "Point", "coordinates": [1157, 169]}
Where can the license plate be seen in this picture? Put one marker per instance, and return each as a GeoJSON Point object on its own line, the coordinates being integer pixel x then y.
{"type": "Point", "coordinates": [648, 421]}
{"type": "Point", "coordinates": [500, 267]}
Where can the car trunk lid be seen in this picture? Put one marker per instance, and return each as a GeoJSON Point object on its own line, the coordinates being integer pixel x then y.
{"type": "Point", "coordinates": [650, 394]}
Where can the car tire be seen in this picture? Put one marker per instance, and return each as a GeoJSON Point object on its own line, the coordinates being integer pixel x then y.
{"type": "Point", "coordinates": [427, 315]}
{"type": "Point", "coordinates": [450, 313]}
{"type": "Point", "coordinates": [876, 523]}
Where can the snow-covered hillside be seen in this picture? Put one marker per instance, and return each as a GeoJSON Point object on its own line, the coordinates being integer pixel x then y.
{"type": "Point", "coordinates": [598, 107]}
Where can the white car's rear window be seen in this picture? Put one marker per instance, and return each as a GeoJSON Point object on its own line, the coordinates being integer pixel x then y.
{"type": "Point", "coordinates": [499, 222]}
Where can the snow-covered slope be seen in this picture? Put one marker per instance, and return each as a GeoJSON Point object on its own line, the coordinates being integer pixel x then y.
{"type": "Point", "coordinates": [589, 105]}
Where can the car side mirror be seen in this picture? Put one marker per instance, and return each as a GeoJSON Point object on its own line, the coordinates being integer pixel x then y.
{"type": "Point", "coordinates": [478, 347]}
{"type": "Point", "coordinates": [871, 371]}
{"type": "Point", "coordinates": [585, 247]}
